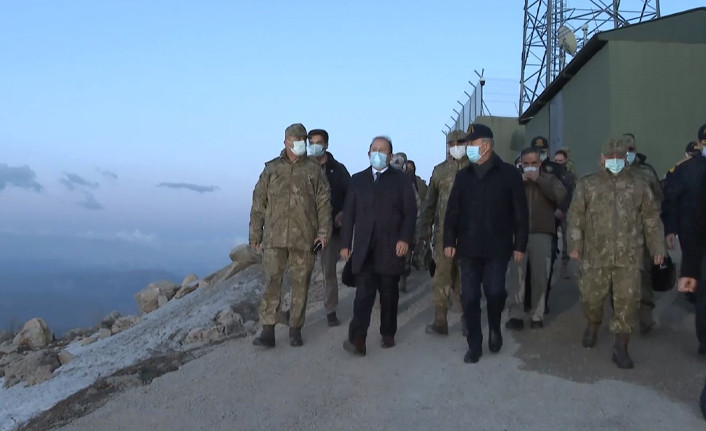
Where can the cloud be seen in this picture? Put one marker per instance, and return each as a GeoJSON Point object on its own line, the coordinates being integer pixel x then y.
{"type": "Point", "coordinates": [133, 237]}
{"type": "Point", "coordinates": [193, 187]}
{"type": "Point", "coordinates": [19, 176]}
{"type": "Point", "coordinates": [107, 174]}
{"type": "Point", "coordinates": [90, 202]}
{"type": "Point", "coordinates": [73, 181]}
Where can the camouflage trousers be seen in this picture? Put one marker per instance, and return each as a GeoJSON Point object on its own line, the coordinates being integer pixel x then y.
{"type": "Point", "coordinates": [329, 257]}
{"type": "Point", "coordinates": [300, 264]}
{"type": "Point", "coordinates": [647, 294]}
{"type": "Point", "coordinates": [447, 279]}
{"type": "Point", "coordinates": [595, 284]}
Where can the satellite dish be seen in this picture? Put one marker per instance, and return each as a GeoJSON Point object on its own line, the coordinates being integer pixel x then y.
{"type": "Point", "coordinates": [567, 39]}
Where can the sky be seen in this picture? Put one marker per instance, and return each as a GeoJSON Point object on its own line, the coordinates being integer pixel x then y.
{"type": "Point", "coordinates": [146, 124]}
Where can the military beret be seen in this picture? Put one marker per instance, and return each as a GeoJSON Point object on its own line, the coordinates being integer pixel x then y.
{"type": "Point", "coordinates": [615, 146]}
{"type": "Point", "coordinates": [702, 133]}
{"type": "Point", "coordinates": [296, 130]}
{"type": "Point", "coordinates": [540, 143]}
{"type": "Point", "coordinates": [477, 131]}
{"type": "Point", "coordinates": [454, 135]}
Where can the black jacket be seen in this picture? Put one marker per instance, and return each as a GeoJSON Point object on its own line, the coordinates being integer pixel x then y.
{"type": "Point", "coordinates": [381, 213]}
{"type": "Point", "coordinates": [338, 179]}
{"type": "Point", "coordinates": [681, 198]}
{"type": "Point", "coordinates": [487, 217]}
{"type": "Point", "coordinates": [692, 210]}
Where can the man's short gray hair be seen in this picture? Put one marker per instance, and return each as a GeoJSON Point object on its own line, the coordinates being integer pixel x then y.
{"type": "Point", "coordinates": [529, 150]}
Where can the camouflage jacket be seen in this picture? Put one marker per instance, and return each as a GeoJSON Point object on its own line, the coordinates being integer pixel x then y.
{"type": "Point", "coordinates": [421, 188]}
{"type": "Point", "coordinates": [437, 198]}
{"type": "Point", "coordinates": [611, 217]}
{"type": "Point", "coordinates": [648, 175]}
{"type": "Point", "coordinates": [290, 204]}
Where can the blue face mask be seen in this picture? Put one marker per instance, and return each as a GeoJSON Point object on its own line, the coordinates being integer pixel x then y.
{"type": "Point", "coordinates": [615, 165]}
{"type": "Point", "coordinates": [703, 151]}
{"type": "Point", "coordinates": [631, 157]}
{"type": "Point", "coordinates": [316, 150]}
{"type": "Point", "coordinates": [473, 153]}
{"type": "Point", "coordinates": [378, 160]}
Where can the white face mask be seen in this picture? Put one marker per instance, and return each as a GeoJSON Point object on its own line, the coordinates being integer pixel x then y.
{"type": "Point", "coordinates": [631, 157]}
{"type": "Point", "coordinates": [542, 156]}
{"type": "Point", "coordinates": [316, 150]}
{"type": "Point", "coordinates": [458, 151]}
{"type": "Point", "coordinates": [299, 148]}
{"type": "Point", "coordinates": [531, 169]}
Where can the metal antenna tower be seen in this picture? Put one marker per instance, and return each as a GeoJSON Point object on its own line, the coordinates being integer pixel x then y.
{"type": "Point", "coordinates": [545, 32]}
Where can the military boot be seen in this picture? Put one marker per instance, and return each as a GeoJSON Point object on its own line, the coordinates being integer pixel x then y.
{"type": "Point", "coordinates": [440, 325]}
{"type": "Point", "coordinates": [620, 352]}
{"type": "Point", "coordinates": [590, 335]}
{"type": "Point", "coordinates": [266, 337]}
{"type": "Point", "coordinates": [295, 337]}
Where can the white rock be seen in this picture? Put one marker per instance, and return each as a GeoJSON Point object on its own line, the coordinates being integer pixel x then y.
{"type": "Point", "coordinates": [4, 336]}
{"type": "Point", "coordinates": [8, 347]}
{"type": "Point", "coordinates": [190, 287]}
{"type": "Point", "coordinates": [33, 368]}
{"type": "Point", "coordinates": [109, 320]}
{"type": "Point", "coordinates": [34, 334]}
{"type": "Point", "coordinates": [65, 357]}
{"type": "Point", "coordinates": [89, 340]}
{"type": "Point", "coordinates": [148, 298]}
{"type": "Point", "coordinates": [162, 301]}
{"type": "Point", "coordinates": [104, 333]}
{"type": "Point", "coordinates": [188, 279]}
{"type": "Point", "coordinates": [125, 323]}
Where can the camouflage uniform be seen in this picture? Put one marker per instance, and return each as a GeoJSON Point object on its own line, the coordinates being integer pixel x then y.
{"type": "Point", "coordinates": [447, 275]}
{"type": "Point", "coordinates": [291, 208]}
{"type": "Point", "coordinates": [647, 173]}
{"type": "Point", "coordinates": [611, 219]}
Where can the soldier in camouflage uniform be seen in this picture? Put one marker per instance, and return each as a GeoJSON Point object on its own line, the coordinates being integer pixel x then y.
{"type": "Point", "coordinates": [613, 216]}
{"type": "Point", "coordinates": [447, 280]}
{"type": "Point", "coordinates": [640, 168]}
{"type": "Point", "coordinates": [291, 211]}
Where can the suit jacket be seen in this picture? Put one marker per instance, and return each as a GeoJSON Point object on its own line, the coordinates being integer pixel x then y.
{"type": "Point", "coordinates": [381, 214]}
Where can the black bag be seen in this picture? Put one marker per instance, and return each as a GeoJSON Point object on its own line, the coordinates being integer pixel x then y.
{"type": "Point", "coordinates": [664, 276]}
{"type": "Point", "coordinates": [347, 276]}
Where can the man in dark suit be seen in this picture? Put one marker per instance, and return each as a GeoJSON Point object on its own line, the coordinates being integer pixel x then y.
{"type": "Point", "coordinates": [487, 222]}
{"type": "Point", "coordinates": [381, 208]}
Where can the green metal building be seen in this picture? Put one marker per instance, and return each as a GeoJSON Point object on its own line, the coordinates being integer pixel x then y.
{"type": "Point", "coordinates": [647, 79]}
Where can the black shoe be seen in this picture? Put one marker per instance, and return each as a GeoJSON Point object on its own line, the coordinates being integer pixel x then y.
{"type": "Point", "coordinates": [515, 324]}
{"type": "Point", "coordinates": [590, 334]}
{"type": "Point", "coordinates": [472, 357]}
{"type": "Point", "coordinates": [355, 347]}
{"type": "Point", "coordinates": [295, 337]}
{"type": "Point", "coordinates": [621, 357]}
{"type": "Point", "coordinates": [495, 340]}
{"type": "Point", "coordinates": [536, 324]}
{"type": "Point", "coordinates": [266, 337]}
{"type": "Point", "coordinates": [332, 319]}
{"type": "Point", "coordinates": [387, 342]}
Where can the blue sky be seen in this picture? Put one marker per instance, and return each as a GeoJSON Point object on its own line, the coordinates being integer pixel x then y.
{"type": "Point", "coordinates": [101, 102]}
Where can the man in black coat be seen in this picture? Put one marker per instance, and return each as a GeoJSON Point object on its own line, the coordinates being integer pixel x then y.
{"type": "Point", "coordinates": [682, 214]}
{"type": "Point", "coordinates": [338, 179]}
{"type": "Point", "coordinates": [487, 224]}
{"type": "Point", "coordinates": [381, 208]}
